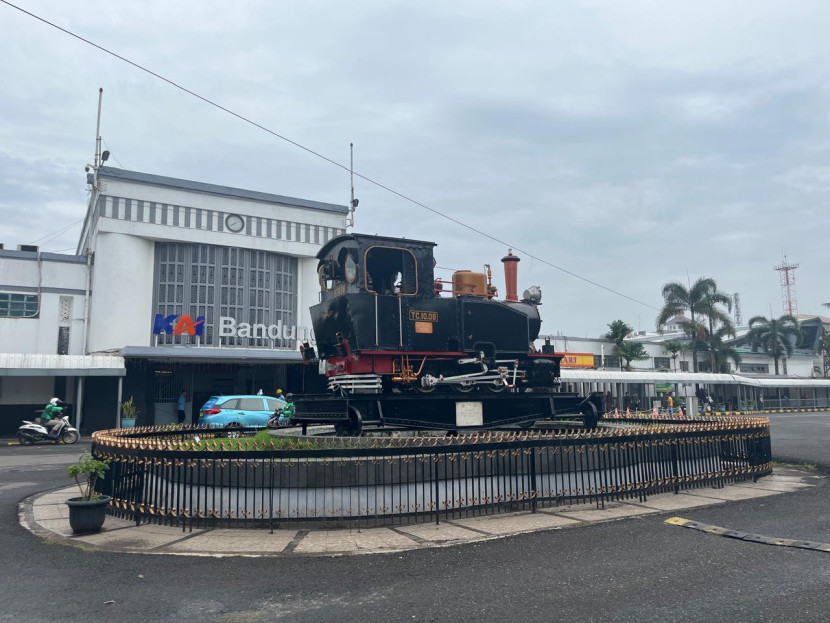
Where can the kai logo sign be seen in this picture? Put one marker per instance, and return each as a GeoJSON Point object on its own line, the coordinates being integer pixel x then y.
{"type": "Point", "coordinates": [176, 324]}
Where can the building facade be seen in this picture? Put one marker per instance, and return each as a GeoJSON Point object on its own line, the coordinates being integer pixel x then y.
{"type": "Point", "coordinates": [187, 286]}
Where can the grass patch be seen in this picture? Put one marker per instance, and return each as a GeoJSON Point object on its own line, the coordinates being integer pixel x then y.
{"type": "Point", "coordinates": [806, 467]}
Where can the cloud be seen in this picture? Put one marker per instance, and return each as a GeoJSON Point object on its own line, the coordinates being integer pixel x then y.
{"type": "Point", "coordinates": [626, 142]}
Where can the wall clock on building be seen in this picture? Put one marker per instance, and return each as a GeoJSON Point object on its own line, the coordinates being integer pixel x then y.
{"type": "Point", "coordinates": [234, 223]}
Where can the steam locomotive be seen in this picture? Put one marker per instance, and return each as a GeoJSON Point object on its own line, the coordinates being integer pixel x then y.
{"type": "Point", "coordinates": [385, 324]}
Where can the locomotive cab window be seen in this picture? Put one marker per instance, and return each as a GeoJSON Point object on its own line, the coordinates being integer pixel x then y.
{"type": "Point", "coordinates": [349, 266]}
{"type": "Point", "coordinates": [326, 275]}
{"type": "Point", "coordinates": [391, 270]}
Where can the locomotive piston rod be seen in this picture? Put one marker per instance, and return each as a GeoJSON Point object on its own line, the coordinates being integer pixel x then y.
{"type": "Point", "coordinates": [500, 376]}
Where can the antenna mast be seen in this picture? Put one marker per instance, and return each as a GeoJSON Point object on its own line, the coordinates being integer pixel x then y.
{"type": "Point", "coordinates": [352, 201]}
{"type": "Point", "coordinates": [736, 301]}
{"type": "Point", "coordinates": [97, 160]}
{"type": "Point", "coordinates": [789, 302]}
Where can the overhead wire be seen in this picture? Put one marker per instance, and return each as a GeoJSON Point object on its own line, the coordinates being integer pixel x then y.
{"type": "Point", "coordinates": [326, 158]}
{"type": "Point", "coordinates": [112, 155]}
{"type": "Point", "coordinates": [54, 234]}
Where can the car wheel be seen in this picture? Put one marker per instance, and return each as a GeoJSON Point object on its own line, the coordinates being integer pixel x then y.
{"type": "Point", "coordinates": [233, 430]}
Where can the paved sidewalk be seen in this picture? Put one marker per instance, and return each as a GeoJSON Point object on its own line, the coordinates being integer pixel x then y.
{"type": "Point", "coordinates": [47, 516]}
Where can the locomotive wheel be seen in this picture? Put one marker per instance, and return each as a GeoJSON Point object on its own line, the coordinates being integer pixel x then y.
{"type": "Point", "coordinates": [464, 389]}
{"type": "Point", "coordinates": [355, 422]}
{"type": "Point", "coordinates": [352, 427]}
{"type": "Point", "coordinates": [425, 390]}
{"type": "Point", "coordinates": [496, 388]}
{"type": "Point", "coordinates": [590, 416]}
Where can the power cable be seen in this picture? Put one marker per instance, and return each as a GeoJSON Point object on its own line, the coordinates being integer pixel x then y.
{"type": "Point", "coordinates": [58, 232]}
{"type": "Point", "coordinates": [326, 158]}
{"type": "Point", "coordinates": [112, 155]}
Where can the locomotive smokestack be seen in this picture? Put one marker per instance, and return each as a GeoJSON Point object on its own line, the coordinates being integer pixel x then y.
{"type": "Point", "coordinates": [510, 275]}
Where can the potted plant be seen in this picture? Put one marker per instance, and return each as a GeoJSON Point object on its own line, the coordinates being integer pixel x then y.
{"type": "Point", "coordinates": [87, 513]}
{"type": "Point", "coordinates": [129, 413]}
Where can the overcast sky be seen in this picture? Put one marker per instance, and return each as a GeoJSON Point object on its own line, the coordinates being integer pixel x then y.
{"type": "Point", "coordinates": [629, 142]}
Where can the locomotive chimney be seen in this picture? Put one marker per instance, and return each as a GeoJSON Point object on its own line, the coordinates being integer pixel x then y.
{"type": "Point", "coordinates": [510, 275]}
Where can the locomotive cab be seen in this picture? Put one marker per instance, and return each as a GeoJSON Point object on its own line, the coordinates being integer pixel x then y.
{"type": "Point", "coordinates": [355, 263]}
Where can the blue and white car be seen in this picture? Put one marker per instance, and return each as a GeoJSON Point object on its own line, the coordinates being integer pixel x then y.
{"type": "Point", "coordinates": [238, 411]}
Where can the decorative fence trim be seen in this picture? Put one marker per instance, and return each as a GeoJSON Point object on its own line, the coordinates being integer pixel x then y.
{"type": "Point", "coordinates": [157, 476]}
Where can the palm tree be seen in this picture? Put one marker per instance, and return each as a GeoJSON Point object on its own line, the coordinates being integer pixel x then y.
{"type": "Point", "coordinates": [777, 338]}
{"type": "Point", "coordinates": [618, 331]}
{"type": "Point", "coordinates": [720, 351]}
{"type": "Point", "coordinates": [716, 316]}
{"type": "Point", "coordinates": [678, 299]}
{"type": "Point", "coordinates": [673, 347]}
{"type": "Point", "coordinates": [630, 351]}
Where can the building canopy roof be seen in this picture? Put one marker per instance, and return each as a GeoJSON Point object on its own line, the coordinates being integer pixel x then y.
{"type": "Point", "coordinates": [212, 355]}
{"type": "Point", "coordinates": [651, 376]}
{"type": "Point", "coordinates": [16, 364]}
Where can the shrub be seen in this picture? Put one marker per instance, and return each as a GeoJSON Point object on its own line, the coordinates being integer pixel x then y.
{"type": "Point", "coordinates": [86, 473]}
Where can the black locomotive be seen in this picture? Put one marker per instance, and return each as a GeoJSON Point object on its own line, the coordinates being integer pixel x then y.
{"type": "Point", "coordinates": [386, 324]}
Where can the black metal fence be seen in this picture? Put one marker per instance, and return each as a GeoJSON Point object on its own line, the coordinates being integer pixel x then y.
{"type": "Point", "coordinates": [162, 475]}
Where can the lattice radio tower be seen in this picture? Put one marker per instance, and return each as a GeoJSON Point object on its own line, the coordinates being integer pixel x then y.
{"type": "Point", "coordinates": [789, 302]}
{"type": "Point", "coordinates": [736, 309]}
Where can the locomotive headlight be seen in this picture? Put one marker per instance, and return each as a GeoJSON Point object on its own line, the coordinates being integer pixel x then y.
{"type": "Point", "coordinates": [533, 295]}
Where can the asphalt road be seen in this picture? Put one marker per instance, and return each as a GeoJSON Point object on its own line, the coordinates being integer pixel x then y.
{"type": "Point", "coordinates": [631, 570]}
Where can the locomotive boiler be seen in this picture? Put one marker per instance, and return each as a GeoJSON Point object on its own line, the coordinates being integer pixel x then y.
{"type": "Point", "coordinates": [385, 324]}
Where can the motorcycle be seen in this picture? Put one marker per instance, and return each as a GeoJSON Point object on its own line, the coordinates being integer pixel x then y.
{"type": "Point", "coordinates": [32, 432]}
{"type": "Point", "coordinates": [274, 420]}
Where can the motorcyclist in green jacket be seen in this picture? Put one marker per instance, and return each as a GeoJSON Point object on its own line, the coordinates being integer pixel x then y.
{"type": "Point", "coordinates": [287, 412]}
{"type": "Point", "coordinates": [52, 414]}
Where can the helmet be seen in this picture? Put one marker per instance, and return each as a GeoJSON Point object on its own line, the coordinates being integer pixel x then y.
{"type": "Point", "coordinates": [279, 392]}
{"type": "Point", "coordinates": [54, 402]}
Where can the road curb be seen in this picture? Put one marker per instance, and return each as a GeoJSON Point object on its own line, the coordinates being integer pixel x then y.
{"type": "Point", "coordinates": [124, 536]}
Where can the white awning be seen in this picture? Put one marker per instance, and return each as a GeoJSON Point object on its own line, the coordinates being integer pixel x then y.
{"type": "Point", "coordinates": [182, 354]}
{"type": "Point", "coordinates": [17, 364]}
{"type": "Point", "coordinates": [652, 376]}
{"type": "Point", "coordinates": [783, 382]}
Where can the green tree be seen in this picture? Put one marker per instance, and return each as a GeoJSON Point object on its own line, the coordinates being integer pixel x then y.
{"type": "Point", "coordinates": [675, 347]}
{"type": "Point", "coordinates": [717, 318]}
{"type": "Point", "coordinates": [776, 337]}
{"type": "Point", "coordinates": [700, 300]}
{"type": "Point", "coordinates": [719, 351]}
{"type": "Point", "coordinates": [630, 351]}
{"type": "Point", "coordinates": [618, 331]}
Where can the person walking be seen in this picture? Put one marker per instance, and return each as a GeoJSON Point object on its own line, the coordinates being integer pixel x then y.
{"type": "Point", "coordinates": [608, 402]}
{"type": "Point", "coordinates": [670, 404]}
{"type": "Point", "coordinates": [181, 405]}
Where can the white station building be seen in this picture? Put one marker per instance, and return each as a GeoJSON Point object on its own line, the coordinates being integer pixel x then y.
{"type": "Point", "coordinates": [176, 285]}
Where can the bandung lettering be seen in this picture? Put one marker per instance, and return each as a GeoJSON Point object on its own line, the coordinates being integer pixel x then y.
{"type": "Point", "coordinates": [229, 327]}
{"type": "Point", "coordinates": [176, 324]}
